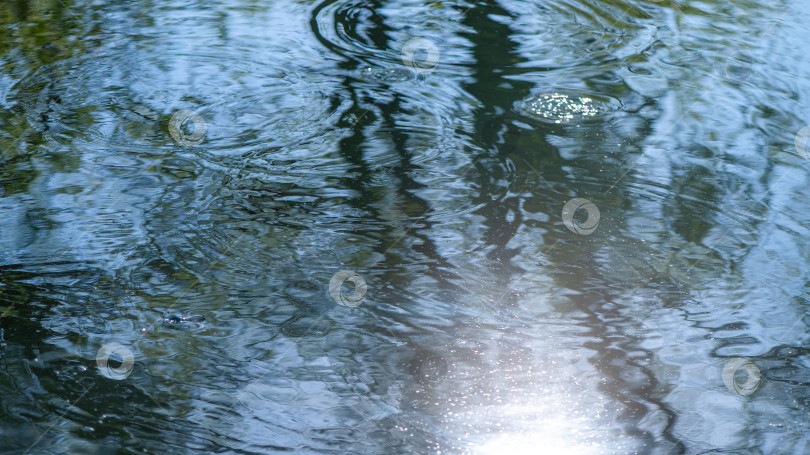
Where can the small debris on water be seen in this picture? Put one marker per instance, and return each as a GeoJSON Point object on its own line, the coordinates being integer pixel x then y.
{"type": "Point", "coordinates": [184, 323]}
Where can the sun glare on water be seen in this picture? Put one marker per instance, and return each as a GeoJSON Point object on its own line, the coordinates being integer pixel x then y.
{"type": "Point", "coordinates": [526, 429]}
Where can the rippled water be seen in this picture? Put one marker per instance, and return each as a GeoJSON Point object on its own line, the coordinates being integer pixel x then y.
{"type": "Point", "coordinates": [572, 227]}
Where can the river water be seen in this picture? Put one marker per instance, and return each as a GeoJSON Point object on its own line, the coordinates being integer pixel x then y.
{"type": "Point", "coordinates": [573, 227]}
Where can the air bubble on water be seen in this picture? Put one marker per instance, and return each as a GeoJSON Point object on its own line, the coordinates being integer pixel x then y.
{"type": "Point", "coordinates": [568, 108]}
{"type": "Point", "coordinates": [387, 74]}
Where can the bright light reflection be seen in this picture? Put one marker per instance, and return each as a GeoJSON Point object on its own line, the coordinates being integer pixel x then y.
{"type": "Point", "coordinates": [542, 442]}
{"type": "Point", "coordinates": [544, 429]}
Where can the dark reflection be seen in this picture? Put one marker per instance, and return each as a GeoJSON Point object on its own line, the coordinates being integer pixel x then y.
{"type": "Point", "coordinates": [49, 377]}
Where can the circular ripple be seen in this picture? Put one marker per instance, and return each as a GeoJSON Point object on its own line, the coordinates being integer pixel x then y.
{"type": "Point", "coordinates": [80, 100]}
{"type": "Point", "coordinates": [388, 39]}
{"type": "Point", "coordinates": [341, 27]}
{"type": "Point", "coordinates": [96, 100]}
{"type": "Point", "coordinates": [565, 108]}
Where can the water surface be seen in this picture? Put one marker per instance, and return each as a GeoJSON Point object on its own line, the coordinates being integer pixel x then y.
{"type": "Point", "coordinates": [186, 179]}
